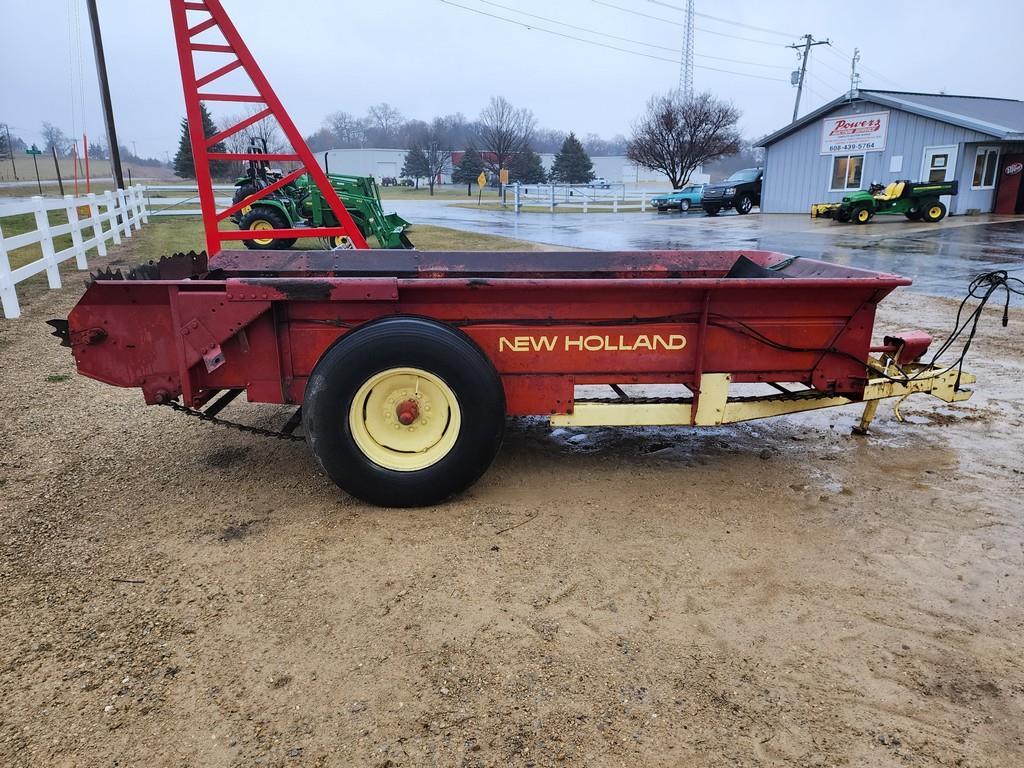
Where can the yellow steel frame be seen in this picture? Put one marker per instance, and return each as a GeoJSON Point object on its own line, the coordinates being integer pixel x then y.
{"type": "Point", "coordinates": [714, 407]}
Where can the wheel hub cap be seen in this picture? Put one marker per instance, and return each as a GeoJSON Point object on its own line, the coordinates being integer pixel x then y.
{"type": "Point", "coordinates": [405, 419]}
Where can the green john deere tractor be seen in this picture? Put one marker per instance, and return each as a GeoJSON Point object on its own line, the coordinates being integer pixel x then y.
{"type": "Point", "coordinates": [301, 203]}
{"type": "Point", "coordinates": [917, 201]}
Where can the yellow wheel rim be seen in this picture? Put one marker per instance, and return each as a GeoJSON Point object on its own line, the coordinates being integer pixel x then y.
{"type": "Point", "coordinates": [934, 212]}
{"type": "Point", "coordinates": [405, 419]}
{"type": "Point", "coordinates": [863, 214]}
{"type": "Point", "coordinates": [259, 225]}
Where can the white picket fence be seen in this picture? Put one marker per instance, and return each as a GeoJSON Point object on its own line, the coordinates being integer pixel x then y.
{"type": "Point", "coordinates": [112, 215]}
{"type": "Point", "coordinates": [583, 198]}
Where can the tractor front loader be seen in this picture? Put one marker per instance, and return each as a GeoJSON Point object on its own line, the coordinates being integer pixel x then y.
{"type": "Point", "coordinates": [300, 203]}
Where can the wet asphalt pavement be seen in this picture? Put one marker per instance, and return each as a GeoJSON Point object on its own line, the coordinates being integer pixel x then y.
{"type": "Point", "coordinates": [941, 258]}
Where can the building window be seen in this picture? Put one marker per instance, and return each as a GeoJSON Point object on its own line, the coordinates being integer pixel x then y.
{"type": "Point", "coordinates": [986, 163]}
{"type": "Point", "coordinates": [846, 170]}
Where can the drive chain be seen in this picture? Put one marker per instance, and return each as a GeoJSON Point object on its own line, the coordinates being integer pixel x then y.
{"type": "Point", "coordinates": [232, 424]}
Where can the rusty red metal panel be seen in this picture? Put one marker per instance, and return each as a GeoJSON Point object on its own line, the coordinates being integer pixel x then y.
{"type": "Point", "coordinates": [615, 324]}
{"type": "Point", "coordinates": [312, 289]}
{"type": "Point", "coordinates": [538, 395]}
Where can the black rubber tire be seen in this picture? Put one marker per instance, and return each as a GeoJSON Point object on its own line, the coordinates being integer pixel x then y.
{"type": "Point", "coordinates": [684, 206]}
{"type": "Point", "coordinates": [744, 204]}
{"type": "Point", "coordinates": [842, 216]}
{"type": "Point", "coordinates": [855, 216]}
{"type": "Point", "coordinates": [398, 342]}
{"type": "Point", "coordinates": [711, 210]}
{"type": "Point", "coordinates": [927, 208]}
{"type": "Point", "coordinates": [266, 213]}
{"type": "Point", "coordinates": [914, 215]}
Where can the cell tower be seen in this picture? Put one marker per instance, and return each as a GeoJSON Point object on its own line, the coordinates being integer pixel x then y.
{"type": "Point", "coordinates": [686, 56]}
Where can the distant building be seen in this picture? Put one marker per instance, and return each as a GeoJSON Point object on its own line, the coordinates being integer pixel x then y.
{"type": "Point", "coordinates": [379, 163]}
{"type": "Point", "coordinates": [383, 163]}
{"type": "Point", "coordinates": [883, 136]}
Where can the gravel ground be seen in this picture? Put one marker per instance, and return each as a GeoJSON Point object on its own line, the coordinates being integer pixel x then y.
{"type": "Point", "coordinates": [778, 593]}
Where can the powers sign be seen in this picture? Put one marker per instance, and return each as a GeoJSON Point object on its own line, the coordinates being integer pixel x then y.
{"type": "Point", "coordinates": [854, 133]}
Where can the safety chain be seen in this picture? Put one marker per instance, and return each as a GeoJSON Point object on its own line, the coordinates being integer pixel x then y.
{"type": "Point", "coordinates": [232, 424]}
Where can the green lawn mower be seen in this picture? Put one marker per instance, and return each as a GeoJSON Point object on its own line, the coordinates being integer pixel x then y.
{"type": "Point", "coordinates": [301, 203]}
{"type": "Point", "coordinates": [916, 201]}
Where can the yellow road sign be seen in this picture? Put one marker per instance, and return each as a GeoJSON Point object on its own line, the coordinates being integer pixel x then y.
{"type": "Point", "coordinates": [503, 175]}
{"type": "Point", "coordinates": [482, 179]}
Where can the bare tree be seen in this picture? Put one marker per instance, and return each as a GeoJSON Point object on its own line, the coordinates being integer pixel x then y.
{"type": "Point", "coordinates": [504, 132]}
{"type": "Point", "coordinates": [348, 131]}
{"type": "Point", "coordinates": [384, 121]}
{"type": "Point", "coordinates": [54, 138]}
{"type": "Point", "coordinates": [676, 136]}
{"type": "Point", "coordinates": [262, 133]}
{"type": "Point", "coordinates": [437, 150]}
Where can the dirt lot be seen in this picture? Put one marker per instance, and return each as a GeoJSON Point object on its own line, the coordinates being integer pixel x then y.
{"type": "Point", "coordinates": [779, 593]}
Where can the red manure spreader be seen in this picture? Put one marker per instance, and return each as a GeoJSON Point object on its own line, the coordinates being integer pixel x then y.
{"type": "Point", "coordinates": [403, 366]}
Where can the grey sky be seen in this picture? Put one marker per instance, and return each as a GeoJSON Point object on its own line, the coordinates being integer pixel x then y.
{"type": "Point", "coordinates": [427, 57]}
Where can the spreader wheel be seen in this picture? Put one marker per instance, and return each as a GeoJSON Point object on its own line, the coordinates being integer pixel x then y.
{"type": "Point", "coordinates": [933, 211]}
{"type": "Point", "coordinates": [404, 412]}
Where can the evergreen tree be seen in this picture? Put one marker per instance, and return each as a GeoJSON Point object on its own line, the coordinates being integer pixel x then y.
{"type": "Point", "coordinates": [527, 168]}
{"type": "Point", "coordinates": [467, 171]}
{"type": "Point", "coordinates": [184, 164]}
{"type": "Point", "coordinates": [572, 166]}
{"type": "Point", "coordinates": [415, 165]}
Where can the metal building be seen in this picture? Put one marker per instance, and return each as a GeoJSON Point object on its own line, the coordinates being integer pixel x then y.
{"type": "Point", "coordinates": [884, 136]}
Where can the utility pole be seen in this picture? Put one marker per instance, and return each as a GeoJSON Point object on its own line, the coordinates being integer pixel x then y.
{"type": "Point", "coordinates": [804, 49]}
{"type": "Point", "coordinates": [854, 75]}
{"type": "Point", "coordinates": [108, 110]}
{"type": "Point", "coordinates": [10, 151]}
{"type": "Point", "coordinates": [686, 56]}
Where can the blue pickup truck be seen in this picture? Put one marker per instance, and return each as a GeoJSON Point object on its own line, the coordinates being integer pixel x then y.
{"type": "Point", "coordinates": [681, 200]}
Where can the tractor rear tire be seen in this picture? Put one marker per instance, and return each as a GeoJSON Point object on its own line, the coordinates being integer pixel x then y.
{"type": "Point", "coordinates": [265, 217]}
{"type": "Point", "coordinates": [404, 412]}
{"type": "Point", "coordinates": [933, 211]}
{"type": "Point", "coordinates": [861, 214]}
{"type": "Point", "coordinates": [914, 215]}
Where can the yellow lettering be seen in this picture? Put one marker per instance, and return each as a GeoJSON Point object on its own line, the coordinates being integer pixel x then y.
{"type": "Point", "coordinates": [593, 343]}
{"type": "Point", "coordinates": [570, 343]}
{"type": "Point", "coordinates": [544, 342]}
{"type": "Point", "coordinates": [676, 341]}
{"type": "Point", "coordinates": [642, 342]}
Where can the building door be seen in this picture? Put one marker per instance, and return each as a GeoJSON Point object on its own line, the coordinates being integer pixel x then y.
{"type": "Point", "coordinates": [1010, 195]}
{"type": "Point", "coordinates": [939, 164]}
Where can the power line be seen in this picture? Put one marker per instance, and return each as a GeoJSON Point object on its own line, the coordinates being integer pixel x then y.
{"type": "Point", "coordinates": [622, 39]}
{"type": "Point", "coordinates": [874, 73]}
{"type": "Point", "coordinates": [603, 45]}
{"type": "Point", "coordinates": [680, 24]}
{"type": "Point", "coordinates": [724, 21]}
